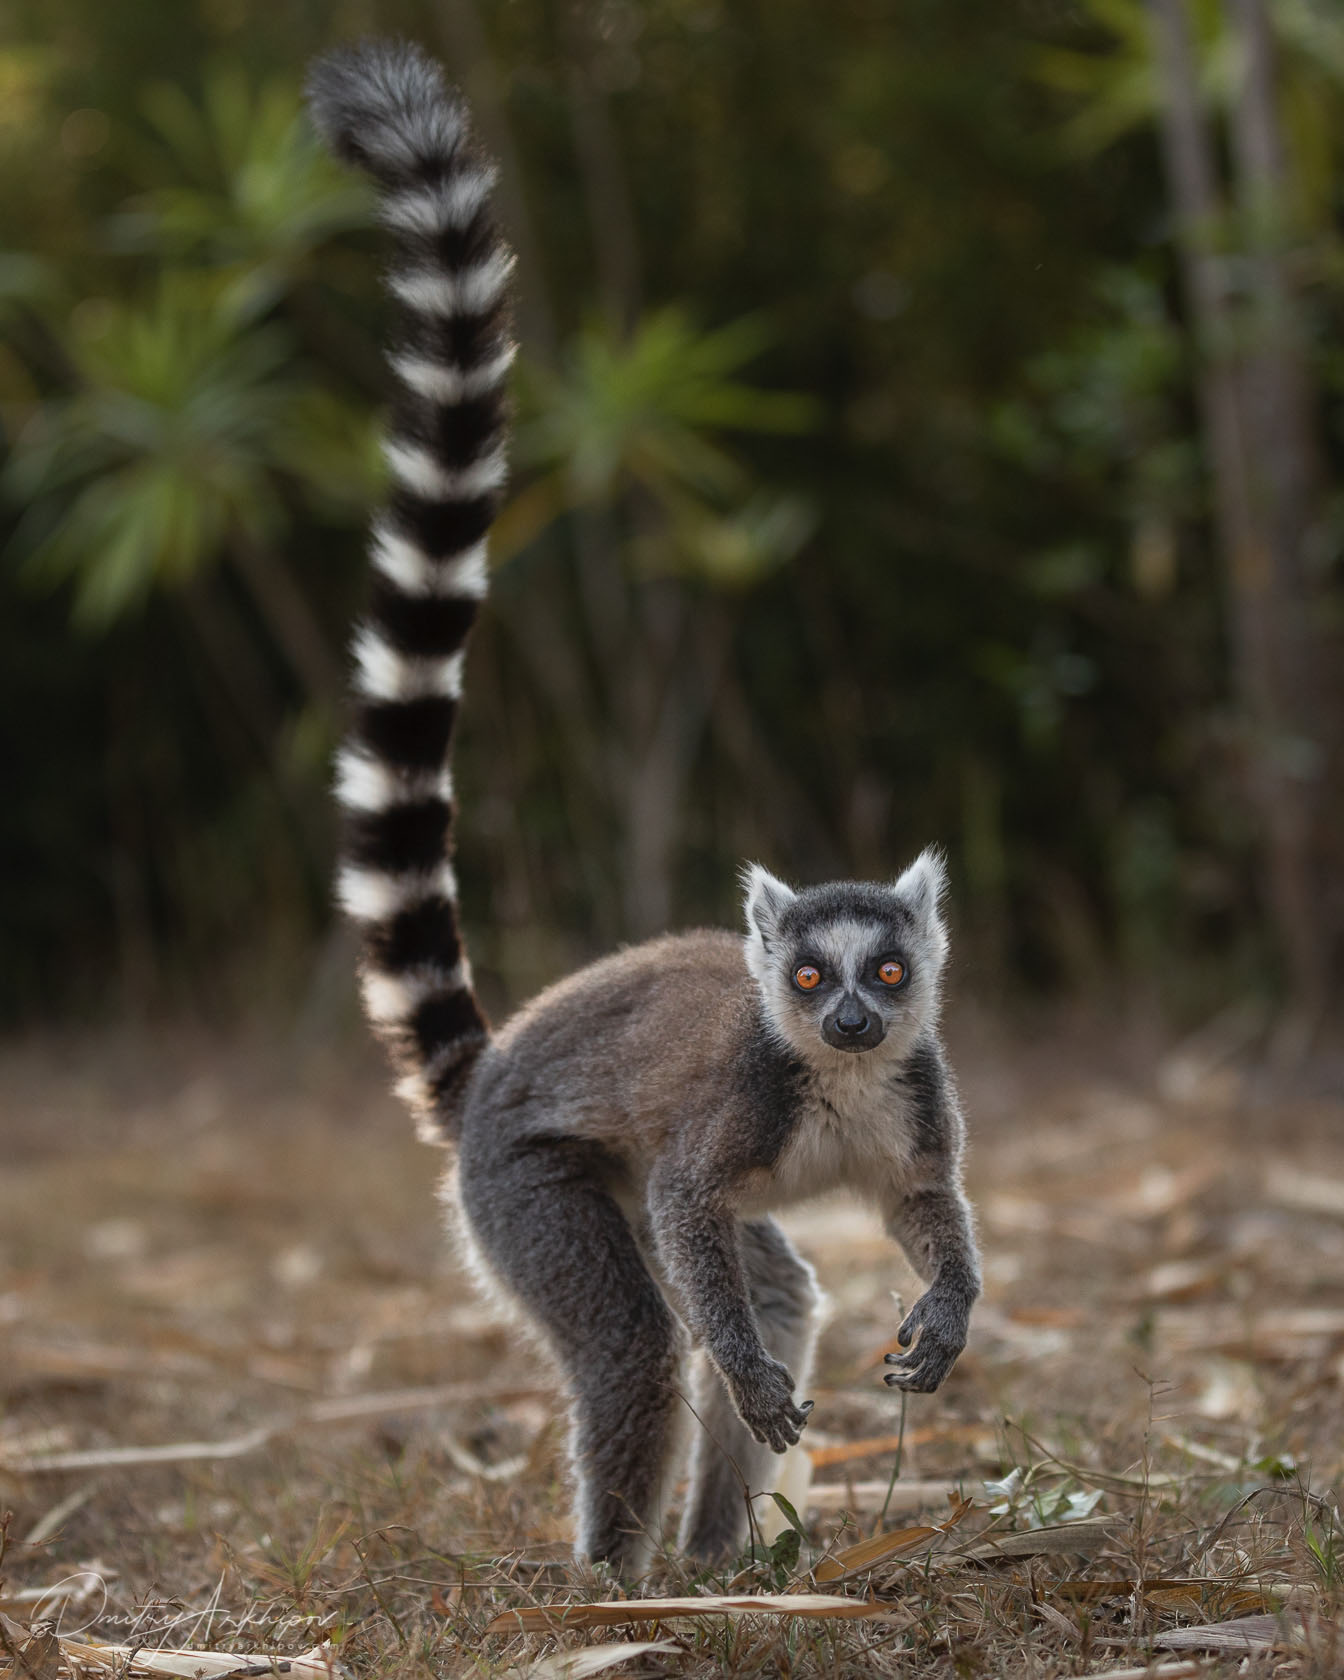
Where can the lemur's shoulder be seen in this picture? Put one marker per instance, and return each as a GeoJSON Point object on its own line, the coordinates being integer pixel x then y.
{"type": "Point", "coordinates": [649, 1041]}
{"type": "Point", "coordinates": [616, 989]}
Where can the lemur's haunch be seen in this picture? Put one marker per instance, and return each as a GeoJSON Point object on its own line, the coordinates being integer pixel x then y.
{"type": "Point", "coordinates": [619, 1144]}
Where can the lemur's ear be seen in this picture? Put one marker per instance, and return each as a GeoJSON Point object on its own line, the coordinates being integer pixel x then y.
{"type": "Point", "coordinates": [764, 899]}
{"type": "Point", "coordinates": [922, 885]}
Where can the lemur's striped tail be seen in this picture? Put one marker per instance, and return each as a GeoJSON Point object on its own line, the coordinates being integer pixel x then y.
{"type": "Point", "coordinates": [385, 107]}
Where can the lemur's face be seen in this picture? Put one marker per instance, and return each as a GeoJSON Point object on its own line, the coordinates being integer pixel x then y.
{"type": "Point", "coordinates": [848, 967]}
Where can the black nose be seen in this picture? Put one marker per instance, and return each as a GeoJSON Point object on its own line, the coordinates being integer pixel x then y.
{"type": "Point", "coordinates": [852, 1025]}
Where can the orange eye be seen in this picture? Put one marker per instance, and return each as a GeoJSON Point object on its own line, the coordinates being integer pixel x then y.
{"type": "Point", "coordinates": [891, 973]}
{"type": "Point", "coordinates": [807, 977]}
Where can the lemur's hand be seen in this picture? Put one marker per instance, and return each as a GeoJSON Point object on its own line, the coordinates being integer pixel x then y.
{"type": "Point", "coordinates": [942, 1319]}
{"type": "Point", "coordinates": [763, 1396]}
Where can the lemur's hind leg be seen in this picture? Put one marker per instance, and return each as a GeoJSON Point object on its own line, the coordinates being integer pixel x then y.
{"type": "Point", "coordinates": [725, 1455]}
{"type": "Point", "coordinates": [553, 1236]}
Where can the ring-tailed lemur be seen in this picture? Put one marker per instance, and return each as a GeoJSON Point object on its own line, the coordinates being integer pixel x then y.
{"type": "Point", "coordinates": [619, 1144]}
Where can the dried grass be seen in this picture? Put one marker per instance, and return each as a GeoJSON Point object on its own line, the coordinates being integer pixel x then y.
{"type": "Point", "coordinates": [249, 1418]}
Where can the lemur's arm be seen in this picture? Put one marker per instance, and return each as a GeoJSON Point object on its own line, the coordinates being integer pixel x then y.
{"type": "Point", "coordinates": [929, 1215]}
{"type": "Point", "coordinates": [695, 1233]}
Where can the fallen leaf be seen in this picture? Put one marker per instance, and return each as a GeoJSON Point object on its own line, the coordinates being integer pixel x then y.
{"type": "Point", "coordinates": [868, 1553]}
{"type": "Point", "coordinates": [1187, 1670]}
{"type": "Point", "coordinates": [578, 1665]}
{"type": "Point", "coordinates": [1306, 1191]}
{"type": "Point", "coordinates": [1211, 1597]}
{"type": "Point", "coordinates": [129, 1660]}
{"type": "Point", "coordinates": [1085, 1536]}
{"type": "Point", "coordinates": [1174, 1593]}
{"type": "Point", "coordinates": [546, 1618]}
{"type": "Point", "coordinates": [1179, 1280]}
{"type": "Point", "coordinates": [1243, 1633]}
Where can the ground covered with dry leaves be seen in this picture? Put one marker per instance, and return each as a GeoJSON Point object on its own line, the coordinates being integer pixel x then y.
{"type": "Point", "coordinates": [249, 1407]}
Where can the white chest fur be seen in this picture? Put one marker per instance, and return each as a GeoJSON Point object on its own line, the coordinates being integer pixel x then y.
{"type": "Point", "coordinates": [854, 1130]}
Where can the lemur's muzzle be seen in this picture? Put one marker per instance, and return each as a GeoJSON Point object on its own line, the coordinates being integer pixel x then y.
{"type": "Point", "coordinates": [851, 1026]}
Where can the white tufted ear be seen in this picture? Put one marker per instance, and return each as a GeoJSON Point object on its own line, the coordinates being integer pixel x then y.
{"type": "Point", "coordinates": [765, 899]}
{"type": "Point", "coordinates": [923, 884]}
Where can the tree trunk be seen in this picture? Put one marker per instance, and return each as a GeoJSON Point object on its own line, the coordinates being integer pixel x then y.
{"type": "Point", "coordinates": [1260, 590]}
{"type": "Point", "coordinates": [1284, 488]}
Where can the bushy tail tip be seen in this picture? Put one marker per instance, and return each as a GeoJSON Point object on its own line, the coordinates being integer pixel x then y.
{"type": "Point", "coordinates": [384, 105]}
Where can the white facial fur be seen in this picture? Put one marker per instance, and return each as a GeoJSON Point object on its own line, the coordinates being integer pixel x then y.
{"type": "Point", "coordinates": [844, 928]}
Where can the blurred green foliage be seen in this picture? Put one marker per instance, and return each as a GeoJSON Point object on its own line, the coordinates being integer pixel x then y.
{"type": "Point", "coordinates": [859, 498]}
{"type": "Point", "coordinates": [165, 443]}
